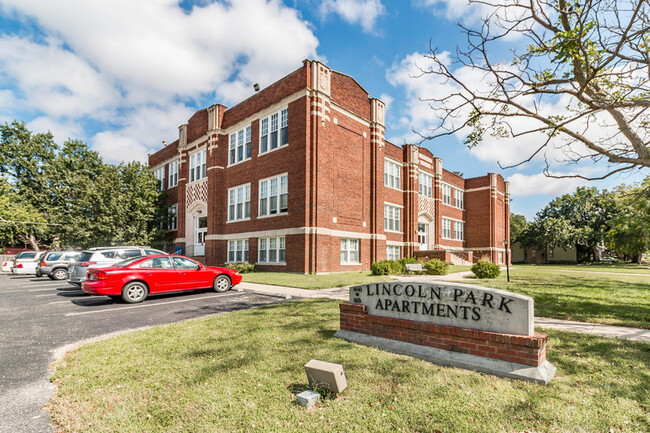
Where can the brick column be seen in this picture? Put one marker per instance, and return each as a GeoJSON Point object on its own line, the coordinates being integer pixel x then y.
{"type": "Point", "coordinates": [410, 217]}
{"type": "Point", "coordinates": [377, 131]}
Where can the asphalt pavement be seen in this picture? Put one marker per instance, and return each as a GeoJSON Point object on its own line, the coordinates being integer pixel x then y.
{"type": "Point", "coordinates": [39, 316]}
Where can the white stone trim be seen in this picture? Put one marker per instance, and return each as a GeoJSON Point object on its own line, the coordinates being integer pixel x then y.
{"type": "Point", "coordinates": [334, 106]}
{"type": "Point", "coordinates": [322, 231]}
{"type": "Point", "coordinates": [394, 205]}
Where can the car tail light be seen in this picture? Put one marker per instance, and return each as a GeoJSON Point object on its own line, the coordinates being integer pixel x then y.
{"type": "Point", "coordinates": [97, 275]}
{"type": "Point", "coordinates": [20, 265]}
{"type": "Point", "coordinates": [43, 264]}
{"type": "Point", "coordinates": [86, 264]}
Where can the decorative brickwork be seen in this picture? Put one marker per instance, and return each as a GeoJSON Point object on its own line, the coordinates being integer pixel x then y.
{"type": "Point", "coordinates": [505, 347]}
{"type": "Point", "coordinates": [196, 191]}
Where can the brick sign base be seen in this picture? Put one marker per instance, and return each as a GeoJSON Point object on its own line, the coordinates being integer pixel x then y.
{"type": "Point", "coordinates": [506, 355]}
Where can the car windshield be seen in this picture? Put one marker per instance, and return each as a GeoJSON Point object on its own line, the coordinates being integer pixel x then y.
{"type": "Point", "coordinates": [125, 263]}
{"type": "Point", "coordinates": [26, 255]}
{"type": "Point", "coordinates": [85, 256]}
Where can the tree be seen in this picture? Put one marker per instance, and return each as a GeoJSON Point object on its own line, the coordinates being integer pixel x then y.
{"type": "Point", "coordinates": [518, 226]}
{"type": "Point", "coordinates": [19, 221]}
{"type": "Point", "coordinates": [630, 232]}
{"type": "Point", "coordinates": [591, 58]}
{"type": "Point", "coordinates": [582, 218]}
{"type": "Point", "coordinates": [84, 201]}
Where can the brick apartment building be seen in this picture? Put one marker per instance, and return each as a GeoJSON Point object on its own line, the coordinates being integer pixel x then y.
{"type": "Point", "coordinates": [299, 178]}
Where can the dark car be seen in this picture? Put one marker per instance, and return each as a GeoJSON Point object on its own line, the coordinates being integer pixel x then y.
{"type": "Point", "coordinates": [134, 279]}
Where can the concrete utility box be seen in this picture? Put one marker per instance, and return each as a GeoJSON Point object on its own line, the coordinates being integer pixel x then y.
{"type": "Point", "coordinates": [308, 398]}
{"type": "Point", "coordinates": [326, 374]}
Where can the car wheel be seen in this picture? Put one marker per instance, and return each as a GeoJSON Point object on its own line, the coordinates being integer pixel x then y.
{"type": "Point", "coordinates": [135, 292]}
{"type": "Point", "coordinates": [51, 277]}
{"type": "Point", "coordinates": [59, 274]}
{"type": "Point", "coordinates": [221, 284]}
{"type": "Point", "coordinates": [38, 274]}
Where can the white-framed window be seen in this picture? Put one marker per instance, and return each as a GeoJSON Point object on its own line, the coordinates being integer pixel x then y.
{"type": "Point", "coordinates": [392, 252]}
{"type": "Point", "coordinates": [500, 258]}
{"type": "Point", "coordinates": [239, 146]}
{"type": "Point", "coordinates": [238, 251]}
{"type": "Point", "coordinates": [350, 251]}
{"type": "Point", "coordinates": [446, 194]}
{"type": "Point", "coordinates": [446, 228]}
{"type": "Point", "coordinates": [392, 174]}
{"type": "Point", "coordinates": [239, 202]}
{"type": "Point", "coordinates": [173, 217]}
{"type": "Point", "coordinates": [459, 199]}
{"type": "Point", "coordinates": [274, 195]}
{"type": "Point", "coordinates": [423, 236]}
{"type": "Point", "coordinates": [173, 174]}
{"type": "Point", "coordinates": [426, 184]}
{"type": "Point", "coordinates": [392, 218]}
{"type": "Point", "coordinates": [459, 230]}
{"type": "Point", "coordinates": [271, 250]}
{"type": "Point", "coordinates": [197, 165]}
{"type": "Point", "coordinates": [159, 174]}
{"type": "Point", "coordinates": [274, 131]}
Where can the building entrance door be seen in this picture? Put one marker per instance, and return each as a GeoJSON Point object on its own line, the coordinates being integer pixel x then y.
{"type": "Point", "coordinates": [423, 236]}
{"type": "Point", "coordinates": [200, 229]}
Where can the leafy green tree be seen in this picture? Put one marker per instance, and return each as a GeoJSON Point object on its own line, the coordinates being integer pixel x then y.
{"type": "Point", "coordinates": [630, 226]}
{"type": "Point", "coordinates": [579, 83]}
{"type": "Point", "coordinates": [19, 220]}
{"type": "Point", "coordinates": [518, 227]}
{"type": "Point", "coordinates": [582, 218]}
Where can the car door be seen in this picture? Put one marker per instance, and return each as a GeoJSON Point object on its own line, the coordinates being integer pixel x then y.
{"type": "Point", "coordinates": [159, 274]}
{"type": "Point", "coordinates": [190, 275]}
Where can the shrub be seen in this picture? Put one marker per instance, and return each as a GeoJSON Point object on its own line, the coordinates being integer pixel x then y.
{"type": "Point", "coordinates": [242, 268]}
{"type": "Point", "coordinates": [486, 269]}
{"type": "Point", "coordinates": [387, 267]}
{"type": "Point", "coordinates": [436, 267]}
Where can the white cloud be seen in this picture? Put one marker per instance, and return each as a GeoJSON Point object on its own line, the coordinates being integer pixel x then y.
{"type": "Point", "coordinates": [102, 58]}
{"type": "Point", "coordinates": [525, 185]}
{"type": "Point", "coordinates": [363, 12]}
{"type": "Point", "coordinates": [60, 130]}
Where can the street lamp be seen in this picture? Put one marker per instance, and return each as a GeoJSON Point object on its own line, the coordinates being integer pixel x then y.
{"type": "Point", "coordinates": [505, 242]}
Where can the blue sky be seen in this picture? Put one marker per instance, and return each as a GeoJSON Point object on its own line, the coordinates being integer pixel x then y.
{"type": "Point", "coordinates": [122, 75]}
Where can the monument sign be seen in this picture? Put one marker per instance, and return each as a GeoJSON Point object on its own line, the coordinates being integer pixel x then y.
{"type": "Point", "coordinates": [459, 325]}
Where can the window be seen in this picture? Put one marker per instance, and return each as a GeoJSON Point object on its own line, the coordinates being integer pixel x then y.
{"type": "Point", "coordinates": [197, 166]}
{"type": "Point", "coordinates": [423, 236]}
{"type": "Point", "coordinates": [500, 258]}
{"type": "Point", "coordinates": [173, 174]}
{"type": "Point", "coordinates": [459, 230]}
{"type": "Point", "coordinates": [157, 263]}
{"type": "Point", "coordinates": [238, 251]}
{"type": "Point", "coordinates": [271, 250]}
{"type": "Point", "coordinates": [392, 252]}
{"type": "Point", "coordinates": [173, 217]}
{"type": "Point", "coordinates": [426, 183]}
{"type": "Point", "coordinates": [239, 202]}
{"type": "Point", "coordinates": [446, 194]}
{"type": "Point", "coordinates": [240, 145]}
{"type": "Point", "coordinates": [349, 251]}
{"type": "Point", "coordinates": [127, 254]}
{"type": "Point", "coordinates": [392, 178]}
{"type": "Point", "coordinates": [392, 221]}
{"type": "Point", "coordinates": [159, 174]}
{"type": "Point", "coordinates": [184, 263]}
{"type": "Point", "coordinates": [459, 199]}
{"type": "Point", "coordinates": [446, 228]}
{"type": "Point", "coordinates": [274, 131]}
{"type": "Point", "coordinates": [274, 195]}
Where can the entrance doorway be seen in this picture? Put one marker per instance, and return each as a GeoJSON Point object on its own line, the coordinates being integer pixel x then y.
{"type": "Point", "coordinates": [200, 230]}
{"type": "Point", "coordinates": [423, 236]}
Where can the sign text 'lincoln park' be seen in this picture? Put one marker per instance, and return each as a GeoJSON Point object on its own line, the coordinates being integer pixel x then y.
{"type": "Point", "coordinates": [459, 305]}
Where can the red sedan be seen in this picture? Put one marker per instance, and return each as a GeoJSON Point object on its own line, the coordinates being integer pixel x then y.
{"type": "Point", "coordinates": [133, 279]}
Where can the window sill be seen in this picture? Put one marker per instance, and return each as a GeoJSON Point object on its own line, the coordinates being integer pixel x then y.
{"type": "Point", "coordinates": [272, 150]}
{"type": "Point", "coordinates": [272, 263]}
{"type": "Point", "coordinates": [393, 231]}
{"type": "Point", "coordinates": [238, 162]}
{"type": "Point", "coordinates": [273, 215]}
{"type": "Point", "coordinates": [393, 188]}
{"type": "Point", "coordinates": [238, 221]}
{"type": "Point", "coordinates": [350, 264]}
{"type": "Point", "coordinates": [195, 181]}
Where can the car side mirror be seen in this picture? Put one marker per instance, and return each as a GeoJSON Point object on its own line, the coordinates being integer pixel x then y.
{"type": "Point", "coordinates": [199, 267]}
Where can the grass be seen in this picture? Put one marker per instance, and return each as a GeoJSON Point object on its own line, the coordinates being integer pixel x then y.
{"type": "Point", "coordinates": [312, 282]}
{"type": "Point", "coordinates": [585, 297]}
{"type": "Point", "coordinates": [631, 268]}
{"type": "Point", "coordinates": [239, 372]}
{"type": "Point", "coordinates": [458, 268]}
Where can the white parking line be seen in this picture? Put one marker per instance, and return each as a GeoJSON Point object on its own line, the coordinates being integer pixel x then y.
{"type": "Point", "coordinates": [49, 294]}
{"type": "Point", "coordinates": [42, 290]}
{"type": "Point", "coordinates": [61, 302]}
{"type": "Point", "coordinates": [152, 305]}
{"type": "Point", "coordinates": [50, 283]}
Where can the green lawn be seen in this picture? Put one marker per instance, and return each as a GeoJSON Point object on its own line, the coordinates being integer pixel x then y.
{"type": "Point", "coordinates": [586, 297]}
{"type": "Point", "coordinates": [312, 281]}
{"type": "Point", "coordinates": [631, 268]}
{"type": "Point", "coordinates": [240, 372]}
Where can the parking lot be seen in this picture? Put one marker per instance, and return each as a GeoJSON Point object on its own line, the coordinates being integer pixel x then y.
{"type": "Point", "coordinates": [38, 315]}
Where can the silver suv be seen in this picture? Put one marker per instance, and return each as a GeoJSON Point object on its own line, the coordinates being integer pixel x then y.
{"type": "Point", "coordinates": [55, 264]}
{"type": "Point", "coordinates": [103, 257]}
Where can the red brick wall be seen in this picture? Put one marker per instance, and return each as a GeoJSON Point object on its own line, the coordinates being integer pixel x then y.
{"type": "Point", "coordinates": [197, 126]}
{"type": "Point", "coordinates": [505, 347]}
{"type": "Point", "coordinates": [347, 93]}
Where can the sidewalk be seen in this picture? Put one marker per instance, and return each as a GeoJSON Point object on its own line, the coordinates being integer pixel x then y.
{"type": "Point", "coordinates": [342, 294]}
